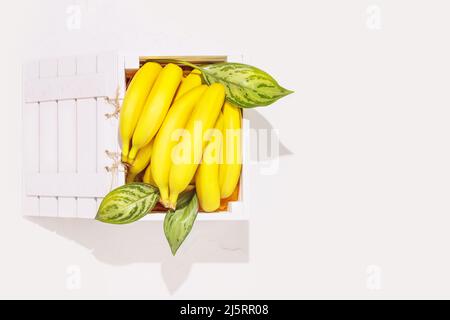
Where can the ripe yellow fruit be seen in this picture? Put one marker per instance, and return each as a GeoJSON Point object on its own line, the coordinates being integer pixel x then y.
{"type": "Point", "coordinates": [230, 168]}
{"type": "Point", "coordinates": [192, 81]}
{"type": "Point", "coordinates": [141, 162]}
{"type": "Point", "coordinates": [207, 176]}
{"type": "Point", "coordinates": [134, 101]}
{"type": "Point", "coordinates": [187, 154]}
{"type": "Point", "coordinates": [176, 119]}
{"type": "Point", "coordinates": [156, 107]}
{"type": "Point", "coordinates": [148, 176]}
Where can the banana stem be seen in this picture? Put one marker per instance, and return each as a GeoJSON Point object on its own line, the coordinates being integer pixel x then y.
{"type": "Point", "coordinates": [164, 192]}
{"type": "Point", "coordinates": [131, 177]}
{"type": "Point", "coordinates": [125, 150]}
{"type": "Point", "coordinates": [173, 198]}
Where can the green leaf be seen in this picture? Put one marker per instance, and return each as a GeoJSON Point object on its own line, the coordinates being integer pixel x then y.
{"type": "Point", "coordinates": [245, 86]}
{"type": "Point", "coordinates": [178, 224]}
{"type": "Point", "coordinates": [128, 203]}
{"type": "Point", "coordinates": [184, 198]}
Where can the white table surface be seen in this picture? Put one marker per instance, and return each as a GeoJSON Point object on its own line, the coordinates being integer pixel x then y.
{"type": "Point", "coordinates": [360, 204]}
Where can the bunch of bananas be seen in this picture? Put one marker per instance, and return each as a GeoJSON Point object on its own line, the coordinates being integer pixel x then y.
{"type": "Point", "coordinates": [180, 132]}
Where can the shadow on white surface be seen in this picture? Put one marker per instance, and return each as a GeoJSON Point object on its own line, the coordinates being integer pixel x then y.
{"type": "Point", "coordinates": [259, 122]}
{"type": "Point", "coordinates": [144, 242]}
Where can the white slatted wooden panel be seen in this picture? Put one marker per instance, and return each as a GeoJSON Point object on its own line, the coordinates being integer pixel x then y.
{"type": "Point", "coordinates": [96, 76]}
{"type": "Point", "coordinates": [66, 133]}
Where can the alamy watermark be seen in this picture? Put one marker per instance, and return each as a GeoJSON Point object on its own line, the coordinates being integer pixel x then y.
{"type": "Point", "coordinates": [73, 278]}
{"type": "Point", "coordinates": [73, 20]}
{"type": "Point", "coordinates": [374, 278]}
{"type": "Point", "coordinates": [373, 18]}
{"type": "Point", "coordinates": [214, 146]}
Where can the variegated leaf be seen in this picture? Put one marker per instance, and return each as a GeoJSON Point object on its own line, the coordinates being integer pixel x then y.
{"type": "Point", "coordinates": [128, 203]}
{"type": "Point", "coordinates": [178, 224]}
{"type": "Point", "coordinates": [246, 86]}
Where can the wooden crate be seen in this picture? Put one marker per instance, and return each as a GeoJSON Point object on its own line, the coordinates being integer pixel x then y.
{"type": "Point", "coordinates": [71, 150]}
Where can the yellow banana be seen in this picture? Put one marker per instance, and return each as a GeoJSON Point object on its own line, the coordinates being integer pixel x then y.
{"type": "Point", "coordinates": [141, 162]}
{"type": "Point", "coordinates": [176, 118]}
{"type": "Point", "coordinates": [188, 153]}
{"type": "Point", "coordinates": [148, 176]}
{"type": "Point", "coordinates": [193, 80]}
{"type": "Point", "coordinates": [230, 168]}
{"type": "Point", "coordinates": [156, 107]}
{"type": "Point", "coordinates": [207, 176]}
{"type": "Point", "coordinates": [134, 100]}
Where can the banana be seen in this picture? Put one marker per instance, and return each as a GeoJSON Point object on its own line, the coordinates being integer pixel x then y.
{"type": "Point", "coordinates": [133, 103]}
{"type": "Point", "coordinates": [148, 176]}
{"type": "Point", "coordinates": [192, 142]}
{"type": "Point", "coordinates": [140, 163]}
{"type": "Point", "coordinates": [230, 168]}
{"type": "Point", "coordinates": [156, 107]}
{"type": "Point", "coordinates": [207, 176]}
{"type": "Point", "coordinates": [176, 118]}
{"type": "Point", "coordinates": [193, 80]}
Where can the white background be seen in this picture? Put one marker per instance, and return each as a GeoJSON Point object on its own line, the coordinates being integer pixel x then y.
{"type": "Point", "coordinates": [359, 207]}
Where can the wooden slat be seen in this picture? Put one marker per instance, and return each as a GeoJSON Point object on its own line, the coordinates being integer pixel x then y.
{"type": "Point", "coordinates": [67, 136]}
{"type": "Point", "coordinates": [31, 70]}
{"type": "Point", "coordinates": [64, 88]}
{"type": "Point", "coordinates": [72, 78]}
{"type": "Point", "coordinates": [86, 135]}
{"type": "Point", "coordinates": [86, 64]}
{"type": "Point", "coordinates": [86, 207]}
{"type": "Point", "coordinates": [30, 118]}
{"type": "Point", "coordinates": [98, 202]}
{"type": "Point", "coordinates": [87, 130]}
{"type": "Point", "coordinates": [48, 154]}
{"type": "Point", "coordinates": [67, 184]}
{"type": "Point", "coordinates": [67, 147]}
{"type": "Point", "coordinates": [48, 68]}
{"type": "Point", "coordinates": [67, 139]}
{"type": "Point", "coordinates": [67, 66]}
{"type": "Point", "coordinates": [48, 134]}
{"type": "Point", "coordinates": [48, 206]}
{"type": "Point", "coordinates": [67, 207]}
{"type": "Point", "coordinates": [30, 153]}
{"type": "Point", "coordinates": [86, 152]}
{"type": "Point", "coordinates": [192, 59]}
{"type": "Point", "coordinates": [109, 64]}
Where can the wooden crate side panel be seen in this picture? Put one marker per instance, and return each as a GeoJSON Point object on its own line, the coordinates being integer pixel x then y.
{"type": "Point", "coordinates": [65, 128]}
